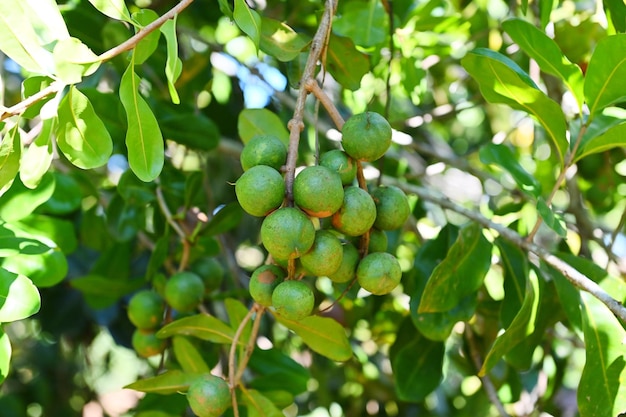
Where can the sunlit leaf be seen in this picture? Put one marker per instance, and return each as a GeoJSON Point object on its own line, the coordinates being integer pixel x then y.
{"type": "Point", "coordinates": [605, 80]}
{"type": "Point", "coordinates": [258, 405]}
{"type": "Point", "coordinates": [173, 65]}
{"type": "Point", "coordinates": [502, 156]}
{"type": "Point", "coordinates": [115, 9]}
{"type": "Point", "coordinates": [202, 326]}
{"type": "Point", "coordinates": [145, 145]}
{"type": "Point", "coordinates": [188, 356]}
{"type": "Point", "coordinates": [613, 137]}
{"type": "Point", "coordinates": [81, 135]}
{"type": "Point", "coordinates": [248, 20]}
{"type": "Point", "coordinates": [280, 40]}
{"type": "Point", "coordinates": [49, 229]}
{"type": "Point", "coordinates": [345, 63]}
{"type": "Point", "coordinates": [460, 274]}
{"type": "Point", "coordinates": [19, 298]}
{"type": "Point", "coordinates": [12, 244]}
{"type": "Point", "coordinates": [252, 122]}
{"type": "Point", "coordinates": [322, 334]}
{"type": "Point", "coordinates": [169, 382]}
{"type": "Point", "coordinates": [546, 52]}
{"type": "Point", "coordinates": [10, 153]}
{"type": "Point", "coordinates": [5, 355]}
{"type": "Point", "coordinates": [45, 270]}
{"type": "Point", "coordinates": [33, 85]}
{"type": "Point", "coordinates": [38, 156]}
{"type": "Point", "coordinates": [146, 47]}
{"type": "Point", "coordinates": [19, 202]}
{"type": "Point", "coordinates": [602, 386]}
{"type": "Point", "coordinates": [73, 60]}
{"type": "Point", "coordinates": [371, 29]}
{"type": "Point", "coordinates": [503, 81]}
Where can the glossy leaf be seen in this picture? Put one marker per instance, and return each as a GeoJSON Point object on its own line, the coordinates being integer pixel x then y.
{"type": "Point", "coordinates": [38, 156]}
{"type": "Point", "coordinates": [502, 156]}
{"type": "Point", "coordinates": [546, 52]}
{"type": "Point", "coordinates": [371, 29]}
{"type": "Point", "coordinates": [417, 364]}
{"type": "Point", "coordinates": [33, 85]}
{"type": "Point", "coordinates": [169, 382]}
{"type": "Point", "coordinates": [553, 220]}
{"type": "Point", "coordinates": [45, 270]}
{"type": "Point", "coordinates": [146, 47]}
{"type": "Point", "coordinates": [258, 405]}
{"type": "Point", "coordinates": [227, 218]}
{"type": "Point", "coordinates": [173, 65]}
{"type": "Point", "coordinates": [515, 271]}
{"type": "Point", "coordinates": [460, 274]}
{"type": "Point", "coordinates": [143, 139]}
{"type": "Point", "coordinates": [345, 63]}
{"type": "Point", "coordinates": [202, 326]}
{"type": "Point", "coordinates": [115, 9]}
{"type": "Point", "coordinates": [19, 298]}
{"type": "Point", "coordinates": [322, 334]}
{"type": "Point", "coordinates": [81, 135]}
{"type": "Point", "coordinates": [73, 60]}
{"type": "Point", "coordinates": [602, 387]}
{"type": "Point", "coordinates": [10, 153]}
{"type": "Point", "coordinates": [605, 80]}
{"type": "Point", "coordinates": [5, 355]}
{"type": "Point", "coordinates": [522, 325]}
{"type": "Point", "coordinates": [12, 244]}
{"type": "Point", "coordinates": [613, 137]}
{"type": "Point", "coordinates": [280, 41]}
{"type": "Point", "coordinates": [503, 81]}
{"type": "Point", "coordinates": [248, 20]}
{"type": "Point", "coordinates": [273, 367]}
{"type": "Point", "coordinates": [252, 122]}
{"type": "Point", "coordinates": [188, 356]}
{"type": "Point", "coordinates": [19, 202]}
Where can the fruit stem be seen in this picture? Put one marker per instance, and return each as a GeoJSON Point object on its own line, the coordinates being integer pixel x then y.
{"type": "Point", "coordinates": [313, 87]}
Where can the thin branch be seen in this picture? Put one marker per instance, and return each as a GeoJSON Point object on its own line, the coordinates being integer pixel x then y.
{"type": "Point", "coordinates": [168, 214]}
{"type": "Point", "coordinates": [252, 342]}
{"type": "Point", "coordinates": [232, 368]}
{"type": "Point", "coordinates": [312, 86]}
{"type": "Point", "coordinates": [575, 277]}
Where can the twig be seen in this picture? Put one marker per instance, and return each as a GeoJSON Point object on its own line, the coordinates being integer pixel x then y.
{"type": "Point", "coordinates": [168, 214]}
{"type": "Point", "coordinates": [252, 342]}
{"type": "Point", "coordinates": [312, 86]}
{"type": "Point", "coordinates": [232, 369]}
{"type": "Point", "coordinates": [575, 277]}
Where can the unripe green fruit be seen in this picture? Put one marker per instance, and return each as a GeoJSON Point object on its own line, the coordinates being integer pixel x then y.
{"type": "Point", "coordinates": [294, 300]}
{"type": "Point", "coordinates": [211, 272]}
{"type": "Point", "coordinates": [379, 273]}
{"type": "Point", "coordinates": [392, 207]}
{"type": "Point", "coordinates": [263, 150]}
{"type": "Point", "coordinates": [287, 233]}
{"type": "Point", "coordinates": [318, 191]}
{"type": "Point", "coordinates": [366, 136]}
{"type": "Point", "coordinates": [146, 343]}
{"type": "Point", "coordinates": [378, 241]}
{"type": "Point", "coordinates": [260, 190]}
{"type": "Point", "coordinates": [357, 214]}
{"type": "Point", "coordinates": [325, 256]}
{"type": "Point", "coordinates": [145, 309]}
{"type": "Point", "coordinates": [184, 291]}
{"type": "Point", "coordinates": [349, 262]}
{"type": "Point", "coordinates": [263, 282]}
{"type": "Point", "coordinates": [209, 396]}
{"type": "Point", "coordinates": [338, 161]}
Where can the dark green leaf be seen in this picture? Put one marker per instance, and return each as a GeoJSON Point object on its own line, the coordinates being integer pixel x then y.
{"type": "Point", "coordinates": [605, 80]}
{"type": "Point", "coordinates": [143, 139]}
{"type": "Point", "coordinates": [188, 356]}
{"type": "Point", "coordinates": [322, 334]}
{"type": "Point", "coordinates": [5, 355]}
{"type": "Point", "coordinates": [280, 40]}
{"type": "Point", "coordinates": [124, 220]}
{"type": "Point", "coordinates": [613, 137]}
{"type": "Point", "coordinates": [38, 156]}
{"type": "Point", "coordinates": [502, 156]}
{"type": "Point", "coordinates": [616, 12]}
{"type": "Point", "coordinates": [158, 256]}
{"type": "Point", "coordinates": [202, 326]}
{"type": "Point", "coordinates": [371, 29]}
{"type": "Point", "coordinates": [19, 298]}
{"type": "Point", "coordinates": [146, 47]}
{"type": "Point", "coordinates": [101, 292]}
{"type": "Point", "coordinates": [252, 122]}
{"type": "Point", "coordinates": [115, 9]}
{"type": "Point", "coordinates": [569, 297]}
{"type": "Point", "coordinates": [67, 195]}
{"type": "Point", "coordinates": [258, 405]}
{"type": "Point", "coordinates": [236, 313]}
{"type": "Point", "coordinates": [553, 220]}
{"type": "Point", "coordinates": [460, 274]}
{"type": "Point", "coordinates": [134, 191]}
{"type": "Point", "coordinates": [345, 63]}
{"type": "Point", "coordinates": [169, 382]}
{"type": "Point", "coordinates": [248, 20]}
{"type": "Point", "coordinates": [547, 54]}
{"type": "Point", "coordinates": [602, 387]}
{"type": "Point", "coordinates": [274, 367]}
{"type": "Point", "coordinates": [438, 326]}
{"type": "Point", "coordinates": [515, 270]}
{"type": "Point", "coordinates": [10, 153]}
{"type": "Point", "coordinates": [502, 81]}
{"type": "Point", "coordinates": [19, 202]}
{"type": "Point", "coordinates": [81, 135]}
{"type": "Point", "coordinates": [227, 218]}
{"type": "Point", "coordinates": [193, 130]}
{"type": "Point", "coordinates": [173, 65]}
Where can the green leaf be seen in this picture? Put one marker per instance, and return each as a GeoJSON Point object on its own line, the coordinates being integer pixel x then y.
{"type": "Point", "coordinates": [438, 326]}
{"type": "Point", "coordinates": [38, 156]}
{"type": "Point", "coordinates": [616, 13]}
{"type": "Point", "coordinates": [280, 40]}
{"type": "Point", "coordinates": [460, 274]}
{"type": "Point", "coordinates": [115, 9]}
{"type": "Point", "coordinates": [81, 135]}
{"type": "Point", "coordinates": [46, 18]}
{"type": "Point", "coordinates": [73, 60]}
{"type": "Point", "coordinates": [502, 156]}
{"type": "Point", "coordinates": [19, 298]}
{"type": "Point", "coordinates": [146, 47]}
{"type": "Point", "coordinates": [143, 138]}
{"type": "Point", "coordinates": [416, 362]}
{"type": "Point", "coordinates": [515, 270]}
{"type": "Point", "coordinates": [522, 325]}
{"type": "Point", "coordinates": [192, 130]}
{"type": "Point", "coordinates": [11, 245]}
{"type": "Point", "coordinates": [101, 291]}
{"type": "Point", "coordinates": [173, 65]}
{"type": "Point", "coordinates": [10, 153]}
{"type": "Point", "coordinates": [371, 29]}
{"type": "Point", "coordinates": [605, 80]}
{"type": "Point", "coordinates": [322, 334]}
{"type": "Point", "coordinates": [53, 231]}
{"type": "Point", "coordinates": [67, 196]}
{"type": "Point", "coordinates": [188, 356]}
{"type": "Point", "coordinates": [5, 355]}
{"type": "Point", "coordinates": [248, 20]}
{"type": "Point", "coordinates": [33, 85]}
{"type": "Point", "coordinates": [613, 285]}
{"type": "Point", "coordinates": [602, 386]}
{"type": "Point", "coordinates": [273, 367]}
{"type": "Point", "coordinates": [546, 52]}
{"type": "Point", "coordinates": [345, 63]}
{"type": "Point", "coordinates": [158, 256]}
{"type": "Point", "coordinates": [569, 297]}
{"type": "Point", "coordinates": [202, 326]}
{"type": "Point", "coordinates": [45, 270]}
{"type": "Point", "coordinates": [169, 382]}
{"type": "Point", "coordinates": [258, 405]}
{"type": "Point", "coordinates": [553, 220]}
{"type": "Point", "coordinates": [502, 81]}
{"type": "Point", "coordinates": [252, 122]}
{"type": "Point", "coordinates": [227, 218]}
{"type": "Point", "coordinates": [236, 313]}
{"type": "Point", "coordinates": [19, 202]}
{"type": "Point", "coordinates": [545, 11]}
{"type": "Point", "coordinates": [613, 137]}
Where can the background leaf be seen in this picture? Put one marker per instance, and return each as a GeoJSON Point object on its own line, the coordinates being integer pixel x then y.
{"type": "Point", "coordinates": [10, 153]}
{"type": "Point", "coordinates": [605, 81]}
{"type": "Point", "coordinates": [19, 298]}
{"type": "Point", "coordinates": [169, 382]}
{"type": "Point", "coordinates": [252, 122]}
{"type": "Point", "coordinates": [258, 405]}
{"type": "Point", "coordinates": [372, 26]}
{"type": "Point", "coordinates": [5, 355]}
{"type": "Point", "coordinates": [280, 40]}
{"type": "Point", "coordinates": [502, 156]}
{"type": "Point", "coordinates": [188, 356]}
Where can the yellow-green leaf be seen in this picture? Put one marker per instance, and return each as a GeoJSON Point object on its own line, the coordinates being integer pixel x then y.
{"type": "Point", "coordinates": [188, 356]}
{"type": "Point", "coordinates": [202, 326]}
{"type": "Point", "coordinates": [173, 65]}
{"type": "Point", "coordinates": [38, 156]}
{"type": "Point", "coordinates": [169, 382]}
{"type": "Point", "coordinates": [19, 298]}
{"type": "Point", "coordinates": [248, 20]}
{"type": "Point", "coordinates": [10, 152]}
{"type": "Point", "coordinates": [115, 9]}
